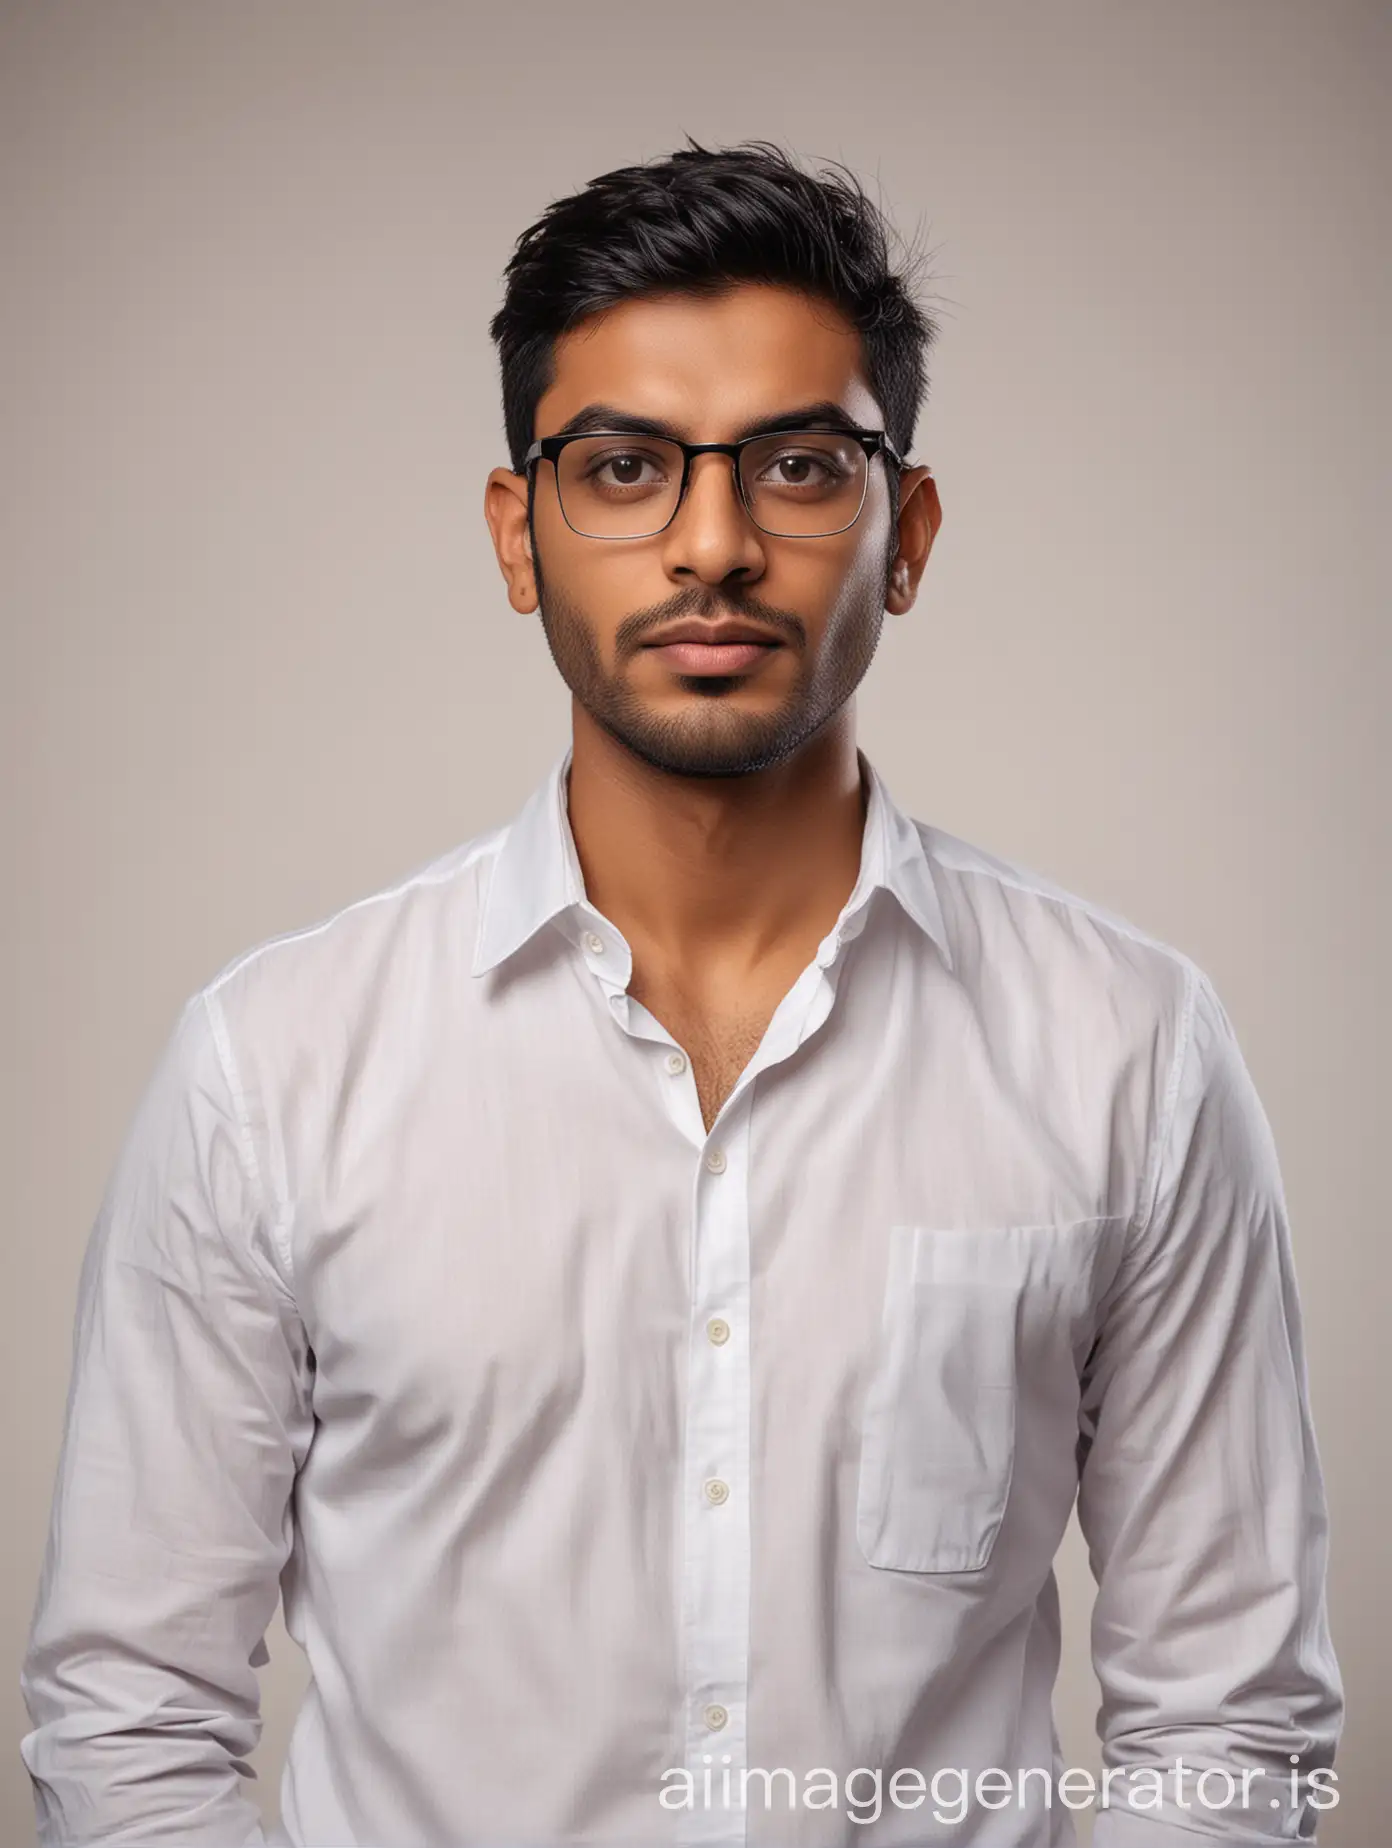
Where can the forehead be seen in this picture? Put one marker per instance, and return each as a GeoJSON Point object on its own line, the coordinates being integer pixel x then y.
{"type": "Point", "coordinates": [708, 364]}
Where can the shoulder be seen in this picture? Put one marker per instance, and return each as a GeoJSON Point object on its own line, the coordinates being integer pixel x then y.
{"type": "Point", "coordinates": [318, 980]}
{"type": "Point", "coordinates": [1018, 934]}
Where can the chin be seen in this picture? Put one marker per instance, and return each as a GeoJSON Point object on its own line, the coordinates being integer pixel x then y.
{"type": "Point", "coordinates": [674, 745]}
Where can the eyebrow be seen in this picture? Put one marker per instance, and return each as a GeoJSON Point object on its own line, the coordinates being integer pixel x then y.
{"type": "Point", "coordinates": [822, 415]}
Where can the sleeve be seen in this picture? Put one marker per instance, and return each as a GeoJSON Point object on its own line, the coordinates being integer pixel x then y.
{"type": "Point", "coordinates": [187, 1417]}
{"type": "Point", "coordinates": [1201, 1496]}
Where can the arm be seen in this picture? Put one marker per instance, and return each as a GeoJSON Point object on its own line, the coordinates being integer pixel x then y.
{"type": "Point", "coordinates": [1201, 1496]}
{"type": "Point", "coordinates": [187, 1417]}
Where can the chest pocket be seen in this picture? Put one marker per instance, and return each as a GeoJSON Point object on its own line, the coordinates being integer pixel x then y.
{"type": "Point", "coordinates": [964, 1311]}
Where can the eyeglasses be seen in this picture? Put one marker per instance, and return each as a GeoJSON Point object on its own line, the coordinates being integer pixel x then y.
{"type": "Point", "coordinates": [794, 484]}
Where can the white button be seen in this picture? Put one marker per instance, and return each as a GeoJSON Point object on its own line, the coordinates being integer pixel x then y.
{"type": "Point", "coordinates": [716, 1162]}
{"type": "Point", "coordinates": [676, 1063]}
{"type": "Point", "coordinates": [717, 1331]}
{"type": "Point", "coordinates": [594, 943]}
{"type": "Point", "coordinates": [717, 1491]}
{"type": "Point", "coordinates": [715, 1717]}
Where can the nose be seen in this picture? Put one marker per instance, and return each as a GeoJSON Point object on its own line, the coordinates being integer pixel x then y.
{"type": "Point", "coordinates": [712, 537]}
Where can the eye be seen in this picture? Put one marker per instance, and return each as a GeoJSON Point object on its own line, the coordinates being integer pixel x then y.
{"type": "Point", "coordinates": [802, 468]}
{"type": "Point", "coordinates": [626, 468]}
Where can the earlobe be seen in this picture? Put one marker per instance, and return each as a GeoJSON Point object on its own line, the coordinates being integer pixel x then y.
{"type": "Point", "coordinates": [899, 596]}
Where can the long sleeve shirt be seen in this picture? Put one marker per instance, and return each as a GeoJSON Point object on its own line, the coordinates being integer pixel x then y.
{"type": "Point", "coordinates": [628, 1481]}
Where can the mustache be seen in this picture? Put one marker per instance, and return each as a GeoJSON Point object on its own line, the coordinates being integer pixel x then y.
{"type": "Point", "coordinates": [703, 601]}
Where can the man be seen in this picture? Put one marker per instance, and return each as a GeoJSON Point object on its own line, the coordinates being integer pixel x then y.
{"type": "Point", "coordinates": [649, 1287]}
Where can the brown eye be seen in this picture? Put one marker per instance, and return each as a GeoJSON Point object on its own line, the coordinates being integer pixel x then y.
{"type": "Point", "coordinates": [799, 471]}
{"type": "Point", "coordinates": [625, 468]}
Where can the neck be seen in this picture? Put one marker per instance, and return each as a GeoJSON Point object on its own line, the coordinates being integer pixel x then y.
{"type": "Point", "coordinates": [718, 870]}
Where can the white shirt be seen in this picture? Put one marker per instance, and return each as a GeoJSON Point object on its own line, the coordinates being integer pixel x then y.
{"type": "Point", "coordinates": [594, 1453]}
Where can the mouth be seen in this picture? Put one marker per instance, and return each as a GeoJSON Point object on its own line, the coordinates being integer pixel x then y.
{"type": "Point", "coordinates": [713, 647]}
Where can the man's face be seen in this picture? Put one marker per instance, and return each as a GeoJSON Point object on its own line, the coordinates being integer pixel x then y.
{"type": "Point", "coordinates": [709, 369]}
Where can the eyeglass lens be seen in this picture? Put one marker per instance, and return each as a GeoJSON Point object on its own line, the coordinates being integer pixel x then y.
{"type": "Point", "coordinates": [800, 483]}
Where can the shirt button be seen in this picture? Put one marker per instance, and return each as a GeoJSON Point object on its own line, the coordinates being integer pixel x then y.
{"type": "Point", "coordinates": [594, 943]}
{"type": "Point", "coordinates": [715, 1717]}
{"type": "Point", "coordinates": [717, 1331]}
{"type": "Point", "coordinates": [717, 1491]}
{"type": "Point", "coordinates": [676, 1063]}
{"type": "Point", "coordinates": [715, 1161]}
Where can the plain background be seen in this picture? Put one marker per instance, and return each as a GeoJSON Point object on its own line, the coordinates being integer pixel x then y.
{"type": "Point", "coordinates": [257, 657]}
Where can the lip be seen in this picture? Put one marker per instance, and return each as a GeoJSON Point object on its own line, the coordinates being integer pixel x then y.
{"type": "Point", "coordinates": [713, 647]}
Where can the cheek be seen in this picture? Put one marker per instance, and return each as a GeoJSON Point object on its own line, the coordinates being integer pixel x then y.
{"type": "Point", "coordinates": [551, 536]}
{"type": "Point", "coordinates": [594, 572]}
{"type": "Point", "coordinates": [838, 581]}
{"type": "Point", "coordinates": [575, 595]}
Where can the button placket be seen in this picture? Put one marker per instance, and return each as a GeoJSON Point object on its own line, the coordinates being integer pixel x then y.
{"type": "Point", "coordinates": [715, 1512]}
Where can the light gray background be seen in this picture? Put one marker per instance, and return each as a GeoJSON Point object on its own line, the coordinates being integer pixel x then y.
{"type": "Point", "coordinates": [257, 658]}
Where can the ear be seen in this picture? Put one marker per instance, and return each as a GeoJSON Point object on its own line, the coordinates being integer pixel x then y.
{"type": "Point", "coordinates": [920, 516]}
{"type": "Point", "coordinates": [505, 509]}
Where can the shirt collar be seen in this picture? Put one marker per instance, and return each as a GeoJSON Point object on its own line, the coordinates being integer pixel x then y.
{"type": "Point", "coordinates": [537, 878]}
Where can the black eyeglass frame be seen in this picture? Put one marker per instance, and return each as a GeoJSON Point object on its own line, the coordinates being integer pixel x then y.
{"type": "Point", "coordinates": [548, 448]}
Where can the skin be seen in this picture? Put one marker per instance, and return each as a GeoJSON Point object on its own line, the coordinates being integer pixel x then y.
{"type": "Point", "coordinates": [717, 821]}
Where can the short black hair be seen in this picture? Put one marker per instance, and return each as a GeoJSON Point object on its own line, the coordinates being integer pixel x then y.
{"type": "Point", "coordinates": [697, 222]}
